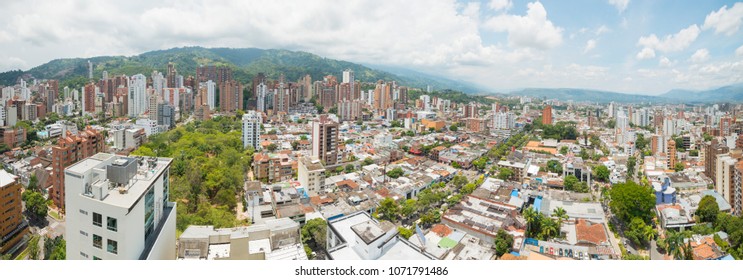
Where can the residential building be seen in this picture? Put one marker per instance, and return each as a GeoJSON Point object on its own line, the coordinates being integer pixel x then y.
{"type": "Point", "coordinates": [252, 122]}
{"type": "Point", "coordinates": [547, 114]}
{"type": "Point", "coordinates": [119, 209]}
{"type": "Point", "coordinates": [325, 141]}
{"type": "Point", "coordinates": [137, 96]}
{"type": "Point", "coordinates": [311, 174]}
{"type": "Point", "coordinates": [230, 96]}
{"type": "Point", "coordinates": [70, 149]}
{"type": "Point", "coordinates": [13, 227]}
{"type": "Point", "coordinates": [272, 167]}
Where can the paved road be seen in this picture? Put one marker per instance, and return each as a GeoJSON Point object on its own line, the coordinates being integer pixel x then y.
{"type": "Point", "coordinates": [654, 253]}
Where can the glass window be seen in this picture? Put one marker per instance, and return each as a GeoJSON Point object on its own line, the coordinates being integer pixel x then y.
{"type": "Point", "coordinates": [97, 241]}
{"type": "Point", "coordinates": [97, 219]}
{"type": "Point", "coordinates": [96, 258]}
{"type": "Point", "coordinates": [111, 223]}
{"type": "Point", "coordinates": [113, 247]}
{"type": "Point", "coordinates": [149, 213]}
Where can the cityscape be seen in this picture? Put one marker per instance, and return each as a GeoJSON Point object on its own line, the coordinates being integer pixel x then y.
{"type": "Point", "coordinates": [237, 153]}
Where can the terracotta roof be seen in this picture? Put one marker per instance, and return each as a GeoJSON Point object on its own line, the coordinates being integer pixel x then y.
{"type": "Point", "coordinates": [351, 184]}
{"type": "Point", "coordinates": [317, 200]}
{"type": "Point", "coordinates": [441, 230]}
{"type": "Point", "coordinates": [593, 233]}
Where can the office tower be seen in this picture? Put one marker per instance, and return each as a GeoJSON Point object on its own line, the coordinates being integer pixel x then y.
{"type": "Point", "coordinates": [671, 148]}
{"type": "Point", "coordinates": [547, 114]}
{"type": "Point", "coordinates": [119, 209]}
{"type": "Point", "coordinates": [13, 228]}
{"type": "Point", "coordinates": [166, 115]}
{"type": "Point", "coordinates": [137, 95]}
{"type": "Point", "coordinates": [89, 94]}
{"type": "Point", "coordinates": [69, 150]}
{"type": "Point", "coordinates": [711, 150]}
{"type": "Point", "coordinates": [261, 96]}
{"type": "Point", "coordinates": [325, 140]}
{"type": "Point", "coordinates": [90, 70]}
{"type": "Point", "coordinates": [211, 94]}
{"type": "Point", "coordinates": [252, 121]}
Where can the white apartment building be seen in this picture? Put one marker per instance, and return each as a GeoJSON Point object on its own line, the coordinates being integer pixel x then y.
{"type": "Point", "coordinates": [252, 121]}
{"type": "Point", "coordinates": [137, 95]}
{"type": "Point", "coordinates": [311, 174]}
{"type": "Point", "coordinates": [118, 209]}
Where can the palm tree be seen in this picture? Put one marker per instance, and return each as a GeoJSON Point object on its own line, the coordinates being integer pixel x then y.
{"type": "Point", "coordinates": [674, 242]}
{"type": "Point", "coordinates": [549, 228]}
{"type": "Point", "coordinates": [649, 233]}
{"type": "Point", "coordinates": [560, 214]}
{"type": "Point", "coordinates": [530, 215]}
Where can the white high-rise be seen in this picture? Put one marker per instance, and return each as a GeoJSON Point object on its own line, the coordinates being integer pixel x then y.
{"type": "Point", "coordinates": [118, 208]}
{"type": "Point", "coordinates": [252, 121]}
{"type": "Point", "coordinates": [261, 94]}
{"type": "Point", "coordinates": [137, 95]}
{"type": "Point", "coordinates": [159, 82]}
{"type": "Point", "coordinates": [211, 93]}
{"type": "Point", "coordinates": [504, 120]}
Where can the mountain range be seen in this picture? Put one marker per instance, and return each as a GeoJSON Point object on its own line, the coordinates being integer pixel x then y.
{"type": "Point", "coordinates": [246, 63]}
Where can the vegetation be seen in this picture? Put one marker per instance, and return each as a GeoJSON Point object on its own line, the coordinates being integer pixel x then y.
{"type": "Point", "coordinates": [601, 173]}
{"type": "Point", "coordinates": [708, 209]}
{"type": "Point", "coordinates": [395, 173]}
{"type": "Point", "coordinates": [503, 242]}
{"type": "Point", "coordinates": [559, 131]}
{"type": "Point", "coordinates": [630, 200]}
{"type": "Point", "coordinates": [209, 164]}
{"type": "Point", "coordinates": [554, 166]}
{"type": "Point", "coordinates": [405, 232]}
{"type": "Point", "coordinates": [314, 235]}
{"type": "Point", "coordinates": [639, 232]}
{"type": "Point", "coordinates": [55, 248]}
{"type": "Point", "coordinates": [678, 167]}
{"type": "Point", "coordinates": [505, 174]}
{"type": "Point", "coordinates": [35, 204]}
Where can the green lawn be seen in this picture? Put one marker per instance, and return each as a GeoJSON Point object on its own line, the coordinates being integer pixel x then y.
{"type": "Point", "coordinates": [54, 215]}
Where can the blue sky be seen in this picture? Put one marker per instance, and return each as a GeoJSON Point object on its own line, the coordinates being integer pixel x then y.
{"type": "Point", "coordinates": [631, 46]}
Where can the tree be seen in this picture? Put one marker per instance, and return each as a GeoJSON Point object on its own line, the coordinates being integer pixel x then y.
{"type": "Point", "coordinates": [640, 142]}
{"type": "Point", "coordinates": [560, 214]}
{"type": "Point", "coordinates": [339, 169]}
{"type": "Point", "coordinates": [388, 209]}
{"type": "Point", "coordinates": [226, 197]}
{"type": "Point", "coordinates": [367, 161]}
{"type": "Point", "coordinates": [550, 229]}
{"type": "Point", "coordinates": [678, 167]}
{"type": "Point", "coordinates": [459, 181]}
{"type": "Point", "coordinates": [295, 145]}
{"type": "Point", "coordinates": [456, 165]}
{"type": "Point", "coordinates": [272, 147]}
{"type": "Point", "coordinates": [503, 242]}
{"type": "Point", "coordinates": [505, 174]}
{"type": "Point", "coordinates": [708, 209]}
{"type": "Point", "coordinates": [33, 183]}
{"type": "Point", "coordinates": [314, 233]}
{"type": "Point", "coordinates": [480, 163]}
{"type": "Point", "coordinates": [601, 173]}
{"type": "Point", "coordinates": [630, 200]}
{"type": "Point", "coordinates": [532, 218]}
{"type": "Point", "coordinates": [303, 137]}
{"type": "Point", "coordinates": [570, 182]}
{"type": "Point", "coordinates": [349, 168]}
{"type": "Point", "coordinates": [639, 232]}
{"type": "Point", "coordinates": [409, 207]}
{"type": "Point", "coordinates": [631, 162]}
{"type": "Point", "coordinates": [405, 232]}
{"type": "Point", "coordinates": [395, 173]}
{"type": "Point", "coordinates": [453, 127]}
{"type": "Point", "coordinates": [554, 166]}
{"type": "Point", "coordinates": [33, 247]}
{"type": "Point", "coordinates": [55, 248]}
{"type": "Point", "coordinates": [564, 150]}
{"type": "Point", "coordinates": [35, 204]}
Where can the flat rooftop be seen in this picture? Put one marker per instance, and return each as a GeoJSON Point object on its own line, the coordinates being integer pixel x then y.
{"type": "Point", "coordinates": [136, 186]}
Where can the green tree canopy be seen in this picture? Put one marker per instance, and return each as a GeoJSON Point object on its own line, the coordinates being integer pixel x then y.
{"type": "Point", "coordinates": [630, 200]}
{"type": "Point", "coordinates": [708, 209]}
{"type": "Point", "coordinates": [395, 173]}
{"type": "Point", "coordinates": [503, 242]}
{"type": "Point", "coordinates": [601, 172]}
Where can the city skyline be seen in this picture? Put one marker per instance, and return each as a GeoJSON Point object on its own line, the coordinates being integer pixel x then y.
{"type": "Point", "coordinates": [622, 46]}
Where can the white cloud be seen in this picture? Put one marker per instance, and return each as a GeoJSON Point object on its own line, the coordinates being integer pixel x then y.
{"type": "Point", "coordinates": [500, 5]}
{"type": "Point", "coordinates": [472, 10]}
{"type": "Point", "coordinates": [601, 30]}
{"type": "Point", "coordinates": [726, 21]}
{"type": "Point", "coordinates": [739, 51]}
{"type": "Point", "coordinates": [671, 43]}
{"type": "Point", "coordinates": [621, 5]}
{"type": "Point", "coordinates": [590, 45]}
{"type": "Point", "coordinates": [665, 62]}
{"type": "Point", "coordinates": [646, 53]}
{"type": "Point", "coordinates": [701, 55]}
{"type": "Point", "coordinates": [532, 30]}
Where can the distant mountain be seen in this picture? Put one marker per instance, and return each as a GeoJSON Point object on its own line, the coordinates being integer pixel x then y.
{"type": "Point", "coordinates": [246, 63]}
{"type": "Point", "coordinates": [731, 93]}
{"type": "Point", "coordinates": [578, 95]}
{"type": "Point", "coordinates": [436, 83]}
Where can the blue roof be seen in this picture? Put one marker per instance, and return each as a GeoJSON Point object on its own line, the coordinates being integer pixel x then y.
{"type": "Point", "coordinates": [727, 258]}
{"type": "Point", "coordinates": [515, 193]}
{"type": "Point", "coordinates": [538, 204]}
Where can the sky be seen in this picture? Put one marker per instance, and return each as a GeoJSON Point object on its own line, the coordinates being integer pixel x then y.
{"type": "Point", "coordinates": [640, 47]}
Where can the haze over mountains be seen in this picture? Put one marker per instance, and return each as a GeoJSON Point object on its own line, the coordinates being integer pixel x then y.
{"type": "Point", "coordinates": [247, 62]}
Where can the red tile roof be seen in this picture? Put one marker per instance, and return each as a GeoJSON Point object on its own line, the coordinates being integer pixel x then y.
{"type": "Point", "coordinates": [593, 233]}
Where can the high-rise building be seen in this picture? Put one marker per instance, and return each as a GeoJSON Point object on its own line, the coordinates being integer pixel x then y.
{"type": "Point", "coordinates": [671, 153]}
{"type": "Point", "coordinates": [137, 104]}
{"type": "Point", "coordinates": [230, 96]}
{"type": "Point", "coordinates": [504, 120]}
{"type": "Point", "coordinates": [325, 140]}
{"type": "Point", "coordinates": [737, 192]}
{"type": "Point", "coordinates": [211, 94]}
{"type": "Point", "coordinates": [218, 74]}
{"type": "Point", "coordinates": [171, 75]}
{"type": "Point", "coordinates": [90, 70]}
{"type": "Point", "coordinates": [261, 96]}
{"type": "Point", "coordinates": [711, 150]}
{"type": "Point", "coordinates": [131, 197]}
{"type": "Point", "coordinates": [471, 110]}
{"type": "Point", "coordinates": [311, 174]}
{"type": "Point", "coordinates": [726, 126]}
{"type": "Point", "coordinates": [69, 150]}
{"type": "Point", "coordinates": [547, 114]}
{"type": "Point", "coordinates": [252, 121]}
{"type": "Point", "coordinates": [13, 228]}
{"type": "Point", "coordinates": [89, 95]}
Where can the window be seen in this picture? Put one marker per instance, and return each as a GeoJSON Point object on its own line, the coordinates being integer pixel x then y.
{"type": "Point", "coordinates": [83, 233]}
{"type": "Point", "coordinates": [96, 258]}
{"type": "Point", "coordinates": [149, 213]}
{"type": "Point", "coordinates": [83, 212]}
{"type": "Point", "coordinates": [97, 241]}
{"type": "Point", "coordinates": [111, 223]}
{"type": "Point", "coordinates": [84, 255]}
{"type": "Point", "coordinates": [113, 247]}
{"type": "Point", "coordinates": [97, 219]}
